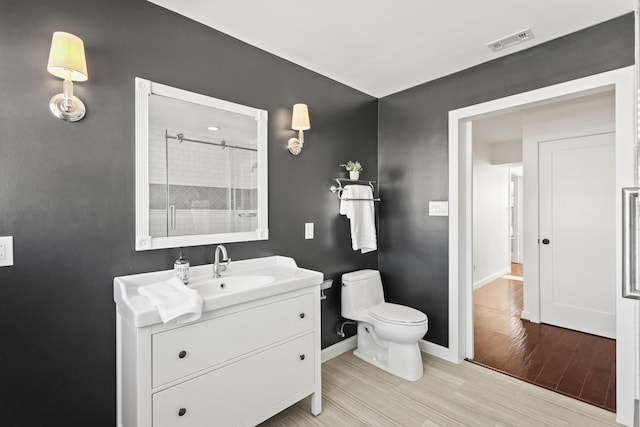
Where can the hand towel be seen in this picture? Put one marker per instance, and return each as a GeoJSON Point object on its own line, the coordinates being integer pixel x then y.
{"type": "Point", "coordinates": [361, 215]}
{"type": "Point", "coordinates": [174, 300]}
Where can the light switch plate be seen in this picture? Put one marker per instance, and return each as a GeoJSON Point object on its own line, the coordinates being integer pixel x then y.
{"type": "Point", "coordinates": [6, 251]}
{"type": "Point", "coordinates": [308, 230]}
{"type": "Point", "coordinates": [438, 208]}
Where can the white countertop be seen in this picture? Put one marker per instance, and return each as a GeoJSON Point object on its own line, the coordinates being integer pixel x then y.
{"type": "Point", "coordinates": [284, 272]}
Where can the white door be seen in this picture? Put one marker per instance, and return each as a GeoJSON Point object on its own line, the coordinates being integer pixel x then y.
{"type": "Point", "coordinates": [577, 233]}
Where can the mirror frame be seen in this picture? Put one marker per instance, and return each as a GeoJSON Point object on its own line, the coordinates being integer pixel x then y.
{"type": "Point", "coordinates": [143, 240]}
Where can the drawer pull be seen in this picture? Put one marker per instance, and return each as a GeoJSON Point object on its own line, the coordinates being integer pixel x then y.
{"type": "Point", "coordinates": [182, 411]}
{"type": "Point", "coordinates": [182, 354]}
{"type": "Point", "coordinates": [302, 315]}
{"type": "Point", "coordinates": [302, 356]}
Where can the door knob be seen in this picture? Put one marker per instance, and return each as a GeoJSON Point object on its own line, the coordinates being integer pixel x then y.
{"type": "Point", "coordinates": [545, 241]}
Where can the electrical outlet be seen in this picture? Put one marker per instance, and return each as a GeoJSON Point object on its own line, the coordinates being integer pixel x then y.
{"type": "Point", "coordinates": [6, 251]}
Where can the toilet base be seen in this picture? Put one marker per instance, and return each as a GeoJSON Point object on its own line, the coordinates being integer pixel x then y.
{"type": "Point", "coordinates": [400, 359]}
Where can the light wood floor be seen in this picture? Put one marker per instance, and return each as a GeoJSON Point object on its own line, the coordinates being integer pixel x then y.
{"type": "Point", "coordinates": [358, 394]}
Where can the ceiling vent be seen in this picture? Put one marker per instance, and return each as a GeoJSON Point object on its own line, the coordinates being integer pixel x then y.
{"type": "Point", "coordinates": [519, 37]}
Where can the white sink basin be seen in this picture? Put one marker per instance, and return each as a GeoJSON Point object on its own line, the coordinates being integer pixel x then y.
{"type": "Point", "coordinates": [229, 284]}
{"type": "Point", "coordinates": [243, 281]}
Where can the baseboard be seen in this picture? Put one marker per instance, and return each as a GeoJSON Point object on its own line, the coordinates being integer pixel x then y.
{"type": "Point", "coordinates": [491, 278]}
{"type": "Point", "coordinates": [434, 350]}
{"type": "Point", "coordinates": [531, 317]}
{"type": "Point", "coordinates": [338, 348]}
{"type": "Point", "coordinates": [350, 343]}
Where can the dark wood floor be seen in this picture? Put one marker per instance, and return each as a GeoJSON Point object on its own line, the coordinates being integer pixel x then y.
{"type": "Point", "coordinates": [569, 362]}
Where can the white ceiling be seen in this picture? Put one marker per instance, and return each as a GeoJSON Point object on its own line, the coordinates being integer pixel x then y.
{"type": "Point", "coordinates": [382, 47]}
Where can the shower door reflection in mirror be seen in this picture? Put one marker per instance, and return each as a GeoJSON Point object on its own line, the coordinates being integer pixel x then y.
{"type": "Point", "coordinates": [206, 180]}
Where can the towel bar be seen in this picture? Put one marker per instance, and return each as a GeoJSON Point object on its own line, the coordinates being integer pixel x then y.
{"type": "Point", "coordinates": [339, 188]}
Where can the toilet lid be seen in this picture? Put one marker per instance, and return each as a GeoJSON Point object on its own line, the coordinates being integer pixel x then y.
{"type": "Point", "coordinates": [395, 313]}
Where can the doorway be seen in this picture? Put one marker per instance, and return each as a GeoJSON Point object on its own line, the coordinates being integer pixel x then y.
{"type": "Point", "coordinates": [576, 204]}
{"type": "Point", "coordinates": [460, 218]}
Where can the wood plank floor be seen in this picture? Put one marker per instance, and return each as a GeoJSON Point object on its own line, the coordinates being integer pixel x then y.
{"type": "Point", "coordinates": [358, 394]}
{"type": "Point", "coordinates": [573, 363]}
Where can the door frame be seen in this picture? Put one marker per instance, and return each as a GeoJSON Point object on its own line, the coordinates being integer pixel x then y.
{"type": "Point", "coordinates": [622, 81]}
{"type": "Point", "coordinates": [517, 213]}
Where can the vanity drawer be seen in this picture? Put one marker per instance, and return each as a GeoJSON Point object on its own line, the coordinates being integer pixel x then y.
{"type": "Point", "coordinates": [236, 393]}
{"type": "Point", "coordinates": [191, 348]}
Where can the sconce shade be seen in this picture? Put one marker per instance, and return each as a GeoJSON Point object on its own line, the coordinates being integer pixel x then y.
{"type": "Point", "coordinates": [66, 58]}
{"type": "Point", "coordinates": [300, 117]}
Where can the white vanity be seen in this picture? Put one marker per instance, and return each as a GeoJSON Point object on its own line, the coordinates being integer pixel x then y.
{"type": "Point", "coordinates": [254, 352]}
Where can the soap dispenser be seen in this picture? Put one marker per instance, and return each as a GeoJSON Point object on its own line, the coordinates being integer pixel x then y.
{"type": "Point", "coordinates": [181, 268]}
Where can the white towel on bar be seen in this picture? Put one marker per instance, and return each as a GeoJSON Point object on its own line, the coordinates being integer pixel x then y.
{"type": "Point", "coordinates": [174, 300]}
{"type": "Point", "coordinates": [361, 215]}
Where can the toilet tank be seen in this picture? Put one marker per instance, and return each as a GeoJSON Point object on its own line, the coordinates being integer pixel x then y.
{"type": "Point", "coordinates": [359, 291]}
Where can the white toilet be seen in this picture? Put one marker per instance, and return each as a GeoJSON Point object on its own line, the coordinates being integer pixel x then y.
{"type": "Point", "coordinates": [388, 334]}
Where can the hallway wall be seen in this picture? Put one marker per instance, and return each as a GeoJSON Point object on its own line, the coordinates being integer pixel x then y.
{"type": "Point", "coordinates": [491, 245]}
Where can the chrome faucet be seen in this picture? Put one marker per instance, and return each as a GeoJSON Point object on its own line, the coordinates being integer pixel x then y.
{"type": "Point", "coordinates": [220, 266]}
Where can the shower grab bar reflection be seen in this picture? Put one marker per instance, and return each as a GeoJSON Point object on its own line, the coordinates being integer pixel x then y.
{"type": "Point", "coordinates": [172, 217]}
{"type": "Point", "coordinates": [340, 188]}
{"type": "Point", "coordinates": [180, 137]}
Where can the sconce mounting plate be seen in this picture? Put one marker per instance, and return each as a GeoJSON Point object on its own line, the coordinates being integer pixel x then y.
{"type": "Point", "coordinates": [294, 146]}
{"type": "Point", "coordinates": [72, 110]}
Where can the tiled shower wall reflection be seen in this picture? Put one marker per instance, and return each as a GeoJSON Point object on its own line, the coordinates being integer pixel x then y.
{"type": "Point", "coordinates": [212, 189]}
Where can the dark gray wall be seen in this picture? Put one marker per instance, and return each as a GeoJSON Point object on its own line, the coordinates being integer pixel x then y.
{"type": "Point", "coordinates": [413, 150]}
{"type": "Point", "coordinates": [67, 189]}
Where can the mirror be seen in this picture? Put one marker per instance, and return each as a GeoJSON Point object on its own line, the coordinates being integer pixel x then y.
{"type": "Point", "coordinates": [201, 169]}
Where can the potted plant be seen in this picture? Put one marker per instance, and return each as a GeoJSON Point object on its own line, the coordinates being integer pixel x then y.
{"type": "Point", "coordinates": [354, 168]}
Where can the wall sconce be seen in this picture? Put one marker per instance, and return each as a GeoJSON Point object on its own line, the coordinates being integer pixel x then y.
{"type": "Point", "coordinates": [67, 61]}
{"type": "Point", "coordinates": [299, 122]}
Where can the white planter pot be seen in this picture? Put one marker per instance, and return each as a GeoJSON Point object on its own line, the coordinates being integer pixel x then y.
{"type": "Point", "coordinates": [354, 175]}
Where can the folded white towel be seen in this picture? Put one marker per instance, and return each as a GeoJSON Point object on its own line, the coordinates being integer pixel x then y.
{"type": "Point", "coordinates": [174, 300]}
{"type": "Point", "coordinates": [362, 216]}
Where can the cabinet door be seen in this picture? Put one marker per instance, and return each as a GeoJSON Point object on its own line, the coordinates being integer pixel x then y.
{"type": "Point", "coordinates": [241, 391]}
{"type": "Point", "coordinates": [192, 348]}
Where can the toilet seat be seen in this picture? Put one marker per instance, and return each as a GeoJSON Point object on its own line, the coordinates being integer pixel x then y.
{"type": "Point", "coordinates": [397, 314]}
